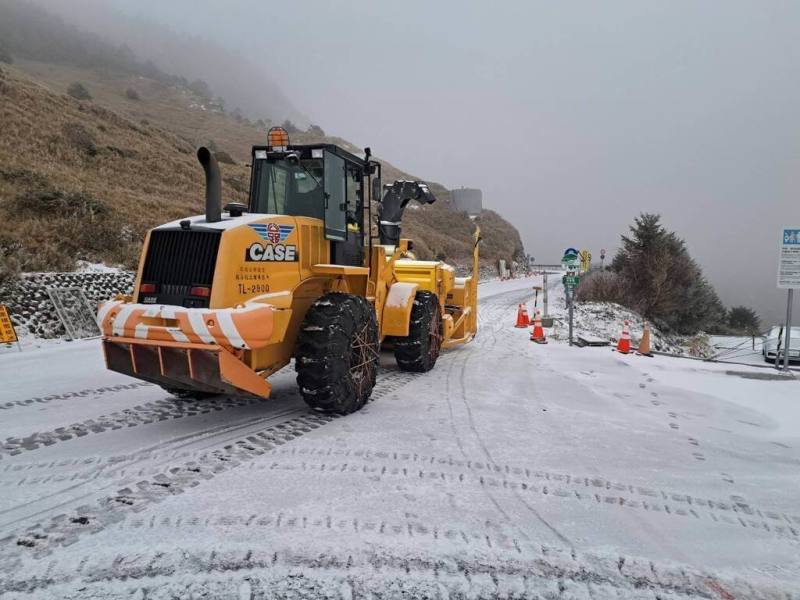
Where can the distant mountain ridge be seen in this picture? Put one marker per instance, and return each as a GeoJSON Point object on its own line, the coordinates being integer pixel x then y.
{"type": "Point", "coordinates": [137, 47]}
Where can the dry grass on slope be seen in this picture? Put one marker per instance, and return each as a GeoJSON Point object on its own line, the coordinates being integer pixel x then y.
{"type": "Point", "coordinates": [78, 181]}
{"type": "Point", "coordinates": [85, 179]}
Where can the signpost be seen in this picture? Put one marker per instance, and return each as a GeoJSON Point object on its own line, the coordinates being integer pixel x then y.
{"type": "Point", "coordinates": [544, 293]}
{"type": "Point", "coordinates": [7, 333]}
{"type": "Point", "coordinates": [602, 258]}
{"type": "Point", "coordinates": [586, 260]}
{"type": "Point", "coordinates": [788, 279]}
{"type": "Point", "coordinates": [570, 264]}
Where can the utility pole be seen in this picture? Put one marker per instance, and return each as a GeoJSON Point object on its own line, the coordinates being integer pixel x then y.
{"type": "Point", "coordinates": [570, 295]}
{"type": "Point", "coordinates": [544, 293]}
{"type": "Point", "coordinates": [788, 279]}
{"type": "Point", "coordinates": [787, 347]}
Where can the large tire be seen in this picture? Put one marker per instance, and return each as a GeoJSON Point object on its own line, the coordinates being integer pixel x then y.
{"type": "Point", "coordinates": [337, 353]}
{"type": "Point", "coordinates": [419, 350]}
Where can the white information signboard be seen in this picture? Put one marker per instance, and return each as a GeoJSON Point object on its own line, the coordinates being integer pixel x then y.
{"type": "Point", "coordinates": [789, 259]}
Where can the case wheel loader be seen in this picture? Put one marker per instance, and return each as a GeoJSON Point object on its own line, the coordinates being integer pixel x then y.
{"type": "Point", "coordinates": [222, 301]}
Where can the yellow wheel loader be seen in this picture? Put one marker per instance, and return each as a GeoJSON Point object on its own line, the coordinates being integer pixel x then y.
{"type": "Point", "coordinates": [223, 300]}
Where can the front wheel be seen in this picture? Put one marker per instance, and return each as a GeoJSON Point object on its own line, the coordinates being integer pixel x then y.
{"type": "Point", "coordinates": [337, 353]}
{"type": "Point", "coordinates": [419, 350]}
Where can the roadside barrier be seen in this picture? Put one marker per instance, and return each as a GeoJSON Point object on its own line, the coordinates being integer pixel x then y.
{"type": "Point", "coordinates": [522, 317]}
{"type": "Point", "coordinates": [537, 334]}
{"type": "Point", "coordinates": [624, 344]}
{"type": "Point", "coordinates": [644, 344]}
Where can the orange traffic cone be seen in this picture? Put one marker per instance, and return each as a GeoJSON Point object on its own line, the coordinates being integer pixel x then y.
{"type": "Point", "coordinates": [537, 335]}
{"type": "Point", "coordinates": [644, 344]}
{"type": "Point", "coordinates": [522, 316]}
{"type": "Point", "coordinates": [624, 344]}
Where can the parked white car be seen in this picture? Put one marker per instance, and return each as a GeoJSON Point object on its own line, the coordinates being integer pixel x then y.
{"type": "Point", "coordinates": [774, 344]}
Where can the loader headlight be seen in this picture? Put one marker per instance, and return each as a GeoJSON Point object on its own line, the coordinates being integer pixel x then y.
{"type": "Point", "coordinates": [261, 155]}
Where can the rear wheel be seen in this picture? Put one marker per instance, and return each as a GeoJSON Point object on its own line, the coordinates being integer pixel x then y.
{"type": "Point", "coordinates": [419, 350]}
{"type": "Point", "coordinates": [337, 353]}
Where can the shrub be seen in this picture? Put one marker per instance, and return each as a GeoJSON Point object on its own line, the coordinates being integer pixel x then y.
{"type": "Point", "coordinates": [132, 94]}
{"type": "Point", "coordinates": [9, 258]}
{"type": "Point", "coordinates": [601, 286]}
{"type": "Point", "coordinates": [43, 200]}
{"type": "Point", "coordinates": [78, 91]}
{"type": "Point", "coordinates": [699, 345]}
{"type": "Point", "coordinates": [744, 320]}
{"type": "Point", "coordinates": [201, 88]}
{"type": "Point", "coordinates": [316, 131]}
{"type": "Point", "coordinates": [80, 138]}
{"type": "Point", "coordinates": [290, 127]}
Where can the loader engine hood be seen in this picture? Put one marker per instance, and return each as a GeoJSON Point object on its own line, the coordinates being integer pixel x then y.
{"type": "Point", "coordinates": [192, 263]}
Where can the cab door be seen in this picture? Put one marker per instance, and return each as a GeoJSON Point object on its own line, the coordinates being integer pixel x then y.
{"type": "Point", "coordinates": [335, 197]}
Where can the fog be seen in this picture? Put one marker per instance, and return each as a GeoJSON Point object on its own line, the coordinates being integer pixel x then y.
{"type": "Point", "coordinates": [571, 117]}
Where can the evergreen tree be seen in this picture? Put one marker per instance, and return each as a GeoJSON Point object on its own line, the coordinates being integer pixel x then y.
{"type": "Point", "coordinates": [663, 283]}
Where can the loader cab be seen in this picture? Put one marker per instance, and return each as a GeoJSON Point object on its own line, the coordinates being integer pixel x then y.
{"type": "Point", "coordinates": [321, 181]}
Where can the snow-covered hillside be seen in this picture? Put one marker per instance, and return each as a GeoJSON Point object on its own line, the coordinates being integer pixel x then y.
{"type": "Point", "coordinates": [511, 470]}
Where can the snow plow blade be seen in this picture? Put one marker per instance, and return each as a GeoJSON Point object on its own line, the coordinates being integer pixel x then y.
{"type": "Point", "coordinates": [183, 366]}
{"type": "Point", "coordinates": [187, 348]}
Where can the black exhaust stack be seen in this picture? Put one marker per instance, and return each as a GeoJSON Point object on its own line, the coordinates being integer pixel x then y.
{"type": "Point", "coordinates": [213, 185]}
{"type": "Point", "coordinates": [390, 210]}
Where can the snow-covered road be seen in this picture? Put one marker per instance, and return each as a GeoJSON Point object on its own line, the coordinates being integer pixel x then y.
{"type": "Point", "coordinates": [510, 470]}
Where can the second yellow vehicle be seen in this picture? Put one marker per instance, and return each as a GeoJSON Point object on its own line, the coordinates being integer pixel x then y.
{"type": "Point", "coordinates": [225, 299]}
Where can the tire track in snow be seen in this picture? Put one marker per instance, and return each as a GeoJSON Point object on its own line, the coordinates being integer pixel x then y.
{"type": "Point", "coordinates": [587, 491]}
{"type": "Point", "coordinates": [81, 394]}
{"type": "Point", "coordinates": [459, 442]}
{"type": "Point", "coordinates": [143, 414]}
{"type": "Point", "coordinates": [376, 463]}
{"type": "Point", "coordinates": [498, 304]}
{"type": "Point", "coordinates": [63, 529]}
{"type": "Point", "coordinates": [163, 410]}
{"type": "Point", "coordinates": [208, 438]}
{"type": "Point", "coordinates": [735, 505]}
{"type": "Point", "coordinates": [533, 571]}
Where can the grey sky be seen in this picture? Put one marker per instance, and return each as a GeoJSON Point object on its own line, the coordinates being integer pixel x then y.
{"type": "Point", "coordinates": [573, 117]}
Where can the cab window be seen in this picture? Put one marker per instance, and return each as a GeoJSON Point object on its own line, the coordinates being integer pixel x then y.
{"type": "Point", "coordinates": [283, 188]}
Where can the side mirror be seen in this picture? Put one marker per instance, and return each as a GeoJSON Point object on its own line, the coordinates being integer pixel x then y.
{"type": "Point", "coordinates": [377, 189]}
